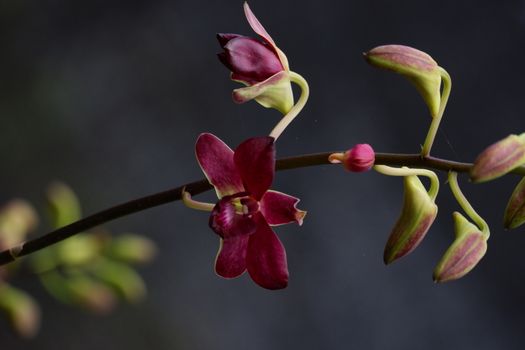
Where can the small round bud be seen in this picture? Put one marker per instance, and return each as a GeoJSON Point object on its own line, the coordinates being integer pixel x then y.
{"type": "Point", "coordinates": [358, 159]}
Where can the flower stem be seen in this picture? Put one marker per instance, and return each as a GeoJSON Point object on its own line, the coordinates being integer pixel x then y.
{"type": "Point", "coordinates": [404, 171]}
{"type": "Point", "coordinates": [434, 126]}
{"type": "Point", "coordinates": [290, 116]}
{"type": "Point", "coordinates": [194, 188]}
{"type": "Point", "coordinates": [464, 203]}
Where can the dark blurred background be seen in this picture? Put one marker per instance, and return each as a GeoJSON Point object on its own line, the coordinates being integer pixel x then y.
{"type": "Point", "coordinates": [109, 96]}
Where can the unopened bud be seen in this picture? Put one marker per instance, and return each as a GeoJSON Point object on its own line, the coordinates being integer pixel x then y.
{"type": "Point", "coordinates": [358, 159]}
{"type": "Point", "coordinates": [415, 65]}
{"type": "Point", "coordinates": [132, 248]}
{"type": "Point", "coordinates": [515, 211]}
{"type": "Point", "coordinates": [17, 219]}
{"type": "Point", "coordinates": [91, 294]}
{"type": "Point", "coordinates": [417, 215]}
{"type": "Point", "coordinates": [22, 310]}
{"type": "Point", "coordinates": [63, 203]}
{"type": "Point", "coordinates": [465, 252]}
{"type": "Point", "coordinates": [499, 158]}
{"type": "Point", "coordinates": [123, 279]}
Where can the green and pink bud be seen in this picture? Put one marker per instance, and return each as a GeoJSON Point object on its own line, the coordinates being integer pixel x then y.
{"type": "Point", "coordinates": [515, 211]}
{"type": "Point", "coordinates": [17, 219]}
{"type": "Point", "coordinates": [260, 65]}
{"type": "Point", "coordinates": [22, 310]}
{"type": "Point", "coordinates": [465, 252]}
{"type": "Point", "coordinates": [417, 215]}
{"type": "Point", "coordinates": [499, 159]}
{"type": "Point", "coordinates": [359, 158]}
{"type": "Point", "coordinates": [415, 65]}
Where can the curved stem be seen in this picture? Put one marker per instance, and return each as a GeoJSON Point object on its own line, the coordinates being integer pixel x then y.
{"type": "Point", "coordinates": [290, 116]}
{"type": "Point", "coordinates": [434, 126]}
{"type": "Point", "coordinates": [465, 205]}
{"type": "Point", "coordinates": [193, 204]}
{"type": "Point", "coordinates": [203, 185]}
{"type": "Point", "coordinates": [404, 171]}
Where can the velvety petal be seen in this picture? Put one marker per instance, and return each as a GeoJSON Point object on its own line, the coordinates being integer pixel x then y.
{"type": "Point", "coordinates": [227, 223]}
{"type": "Point", "coordinates": [259, 29]}
{"type": "Point", "coordinates": [255, 162]}
{"type": "Point", "coordinates": [223, 38]}
{"type": "Point", "coordinates": [256, 25]}
{"type": "Point", "coordinates": [279, 208]}
{"type": "Point", "coordinates": [266, 257]}
{"type": "Point", "coordinates": [231, 258]}
{"type": "Point", "coordinates": [250, 60]}
{"type": "Point", "coordinates": [274, 92]}
{"type": "Point", "coordinates": [216, 161]}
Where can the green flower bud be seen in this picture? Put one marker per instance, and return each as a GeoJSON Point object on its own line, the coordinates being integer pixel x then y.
{"type": "Point", "coordinates": [499, 158]}
{"type": "Point", "coordinates": [17, 219]}
{"type": "Point", "coordinates": [64, 204]}
{"type": "Point", "coordinates": [515, 211]}
{"type": "Point", "coordinates": [132, 248]}
{"type": "Point", "coordinates": [22, 310]}
{"type": "Point", "coordinates": [465, 252]}
{"type": "Point", "coordinates": [91, 294]}
{"type": "Point", "coordinates": [122, 278]}
{"type": "Point", "coordinates": [417, 215]}
{"type": "Point", "coordinates": [417, 66]}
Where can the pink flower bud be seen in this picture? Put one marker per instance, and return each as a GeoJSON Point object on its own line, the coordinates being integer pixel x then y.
{"type": "Point", "coordinates": [260, 65]}
{"type": "Point", "coordinates": [464, 254]}
{"type": "Point", "coordinates": [515, 211]}
{"type": "Point", "coordinates": [360, 158]}
{"type": "Point", "coordinates": [415, 65]}
{"type": "Point", "coordinates": [250, 60]}
{"type": "Point", "coordinates": [499, 158]}
{"type": "Point", "coordinates": [417, 215]}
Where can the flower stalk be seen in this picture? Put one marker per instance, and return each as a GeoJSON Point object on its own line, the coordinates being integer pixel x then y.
{"type": "Point", "coordinates": [200, 186]}
{"type": "Point", "coordinates": [434, 125]}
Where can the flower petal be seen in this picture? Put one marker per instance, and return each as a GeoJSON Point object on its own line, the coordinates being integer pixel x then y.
{"type": "Point", "coordinates": [216, 161]}
{"type": "Point", "coordinates": [256, 25]}
{"type": "Point", "coordinates": [255, 162]}
{"type": "Point", "coordinates": [266, 257]}
{"type": "Point", "coordinates": [259, 29]}
{"type": "Point", "coordinates": [227, 223]}
{"type": "Point", "coordinates": [274, 92]}
{"type": "Point", "coordinates": [248, 58]}
{"type": "Point", "coordinates": [231, 257]}
{"type": "Point", "coordinates": [279, 208]}
{"type": "Point", "coordinates": [223, 38]}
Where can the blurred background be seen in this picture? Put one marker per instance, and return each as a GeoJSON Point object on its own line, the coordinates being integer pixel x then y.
{"type": "Point", "coordinates": [109, 96]}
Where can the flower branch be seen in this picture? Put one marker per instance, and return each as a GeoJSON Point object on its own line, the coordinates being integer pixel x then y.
{"type": "Point", "coordinates": [200, 186]}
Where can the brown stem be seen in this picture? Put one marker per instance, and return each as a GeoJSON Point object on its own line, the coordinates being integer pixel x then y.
{"type": "Point", "coordinates": [140, 204]}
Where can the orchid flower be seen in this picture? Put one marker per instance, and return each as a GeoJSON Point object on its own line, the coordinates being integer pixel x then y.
{"type": "Point", "coordinates": [264, 69]}
{"type": "Point", "coordinates": [246, 209]}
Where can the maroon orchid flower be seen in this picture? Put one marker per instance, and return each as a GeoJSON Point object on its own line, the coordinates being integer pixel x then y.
{"type": "Point", "coordinates": [259, 64]}
{"type": "Point", "coordinates": [247, 208]}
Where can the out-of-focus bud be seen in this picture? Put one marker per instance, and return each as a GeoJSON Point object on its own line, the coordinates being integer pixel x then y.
{"type": "Point", "coordinates": [415, 65]}
{"type": "Point", "coordinates": [358, 159]}
{"type": "Point", "coordinates": [91, 294]}
{"type": "Point", "coordinates": [515, 211]}
{"type": "Point", "coordinates": [132, 248]}
{"type": "Point", "coordinates": [464, 254]}
{"type": "Point", "coordinates": [17, 219]}
{"type": "Point", "coordinates": [78, 250]}
{"type": "Point", "coordinates": [417, 215]}
{"type": "Point", "coordinates": [122, 278]}
{"type": "Point", "coordinates": [63, 203]}
{"type": "Point", "coordinates": [22, 310]}
{"type": "Point", "coordinates": [260, 65]}
{"type": "Point", "coordinates": [499, 158]}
